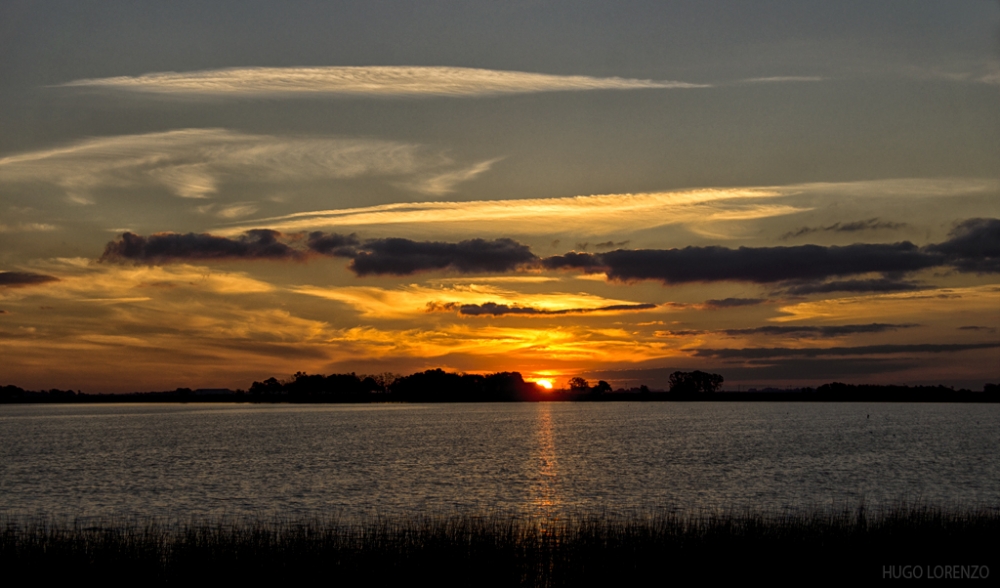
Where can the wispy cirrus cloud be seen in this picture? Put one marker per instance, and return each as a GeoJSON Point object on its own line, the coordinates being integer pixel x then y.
{"type": "Point", "coordinates": [975, 73]}
{"type": "Point", "coordinates": [26, 227]}
{"type": "Point", "coordinates": [584, 214]}
{"type": "Point", "coordinates": [385, 81]}
{"type": "Point", "coordinates": [606, 214]}
{"type": "Point", "coordinates": [193, 163]}
{"type": "Point", "coordinates": [872, 224]}
{"type": "Point", "coordinates": [82, 280]}
{"type": "Point", "coordinates": [439, 184]}
{"type": "Point", "coordinates": [783, 79]}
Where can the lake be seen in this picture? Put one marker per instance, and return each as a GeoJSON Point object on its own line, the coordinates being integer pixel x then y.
{"type": "Point", "coordinates": [184, 460]}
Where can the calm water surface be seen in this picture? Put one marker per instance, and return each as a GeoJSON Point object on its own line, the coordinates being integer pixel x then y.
{"type": "Point", "coordinates": [538, 459]}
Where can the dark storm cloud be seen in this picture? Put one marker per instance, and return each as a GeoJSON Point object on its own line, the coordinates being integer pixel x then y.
{"type": "Point", "coordinates": [401, 257]}
{"type": "Point", "coordinates": [974, 246]}
{"type": "Point", "coordinates": [587, 262]}
{"type": "Point", "coordinates": [870, 285]}
{"type": "Point", "coordinates": [681, 333]}
{"type": "Point", "coordinates": [494, 309]}
{"type": "Point", "coordinates": [813, 331]}
{"type": "Point", "coordinates": [177, 247]}
{"type": "Point", "coordinates": [22, 279]}
{"type": "Point", "coordinates": [872, 224]}
{"type": "Point", "coordinates": [392, 256]}
{"type": "Point", "coordinates": [332, 244]}
{"type": "Point", "coordinates": [602, 245]}
{"type": "Point", "coordinates": [732, 303]}
{"type": "Point", "coordinates": [779, 352]}
{"type": "Point", "coordinates": [761, 264]}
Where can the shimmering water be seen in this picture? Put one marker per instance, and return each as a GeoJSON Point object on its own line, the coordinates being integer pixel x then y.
{"type": "Point", "coordinates": [546, 458]}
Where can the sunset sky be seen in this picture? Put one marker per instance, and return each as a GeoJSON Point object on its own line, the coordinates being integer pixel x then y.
{"type": "Point", "coordinates": [205, 194]}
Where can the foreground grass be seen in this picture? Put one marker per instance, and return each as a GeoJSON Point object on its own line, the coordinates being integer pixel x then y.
{"type": "Point", "coordinates": [503, 550]}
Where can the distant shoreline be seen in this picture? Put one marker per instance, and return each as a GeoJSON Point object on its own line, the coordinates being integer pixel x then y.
{"type": "Point", "coordinates": [435, 386]}
{"type": "Point", "coordinates": [953, 397]}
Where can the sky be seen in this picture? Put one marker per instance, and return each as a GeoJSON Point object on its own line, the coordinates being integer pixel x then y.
{"type": "Point", "coordinates": [786, 193]}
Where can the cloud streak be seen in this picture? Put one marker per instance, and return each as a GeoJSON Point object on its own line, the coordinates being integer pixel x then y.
{"type": "Point", "coordinates": [717, 304]}
{"type": "Point", "coordinates": [783, 79]}
{"type": "Point", "coordinates": [780, 352]}
{"type": "Point", "coordinates": [607, 214]}
{"type": "Point", "coordinates": [195, 163]}
{"type": "Point", "coordinates": [868, 285]}
{"type": "Point", "coordinates": [817, 331]}
{"type": "Point", "coordinates": [492, 309]}
{"type": "Point", "coordinates": [367, 81]}
{"type": "Point", "coordinates": [598, 214]}
{"type": "Point", "coordinates": [872, 224]}
{"type": "Point", "coordinates": [23, 279]}
{"type": "Point", "coordinates": [939, 303]}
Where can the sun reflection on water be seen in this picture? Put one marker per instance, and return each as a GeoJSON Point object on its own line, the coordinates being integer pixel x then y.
{"type": "Point", "coordinates": [544, 491]}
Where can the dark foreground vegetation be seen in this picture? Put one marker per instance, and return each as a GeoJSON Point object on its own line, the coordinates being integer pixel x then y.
{"type": "Point", "coordinates": [441, 386]}
{"type": "Point", "coordinates": [510, 551]}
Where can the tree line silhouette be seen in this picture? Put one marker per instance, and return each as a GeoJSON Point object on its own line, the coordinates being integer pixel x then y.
{"type": "Point", "coordinates": [437, 385]}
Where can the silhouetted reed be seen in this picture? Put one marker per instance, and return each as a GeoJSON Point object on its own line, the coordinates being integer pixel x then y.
{"type": "Point", "coordinates": [501, 550]}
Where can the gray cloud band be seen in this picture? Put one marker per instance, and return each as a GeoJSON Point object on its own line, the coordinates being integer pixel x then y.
{"type": "Point", "coordinates": [974, 246]}
{"type": "Point", "coordinates": [21, 279]}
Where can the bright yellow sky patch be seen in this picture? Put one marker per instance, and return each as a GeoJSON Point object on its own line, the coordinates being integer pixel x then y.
{"type": "Point", "coordinates": [415, 300]}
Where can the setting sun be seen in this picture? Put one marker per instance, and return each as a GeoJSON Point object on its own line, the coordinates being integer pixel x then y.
{"type": "Point", "coordinates": [547, 384]}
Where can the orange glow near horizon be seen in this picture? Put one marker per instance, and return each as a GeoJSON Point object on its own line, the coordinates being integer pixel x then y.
{"type": "Point", "coordinates": [546, 384]}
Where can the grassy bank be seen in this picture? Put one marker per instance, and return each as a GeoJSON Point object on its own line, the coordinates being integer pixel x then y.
{"type": "Point", "coordinates": [506, 551]}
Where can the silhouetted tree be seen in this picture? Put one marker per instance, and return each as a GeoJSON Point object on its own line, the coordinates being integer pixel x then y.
{"type": "Point", "coordinates": [504, 386]}
{"type": "Point", "coordinates": [370, 386]}
{"type": "Point", "coordinates": [305, 387]}
{"type": "Point", "coordinates": [437, 386]}
{"type": "Point", "coordinates": [694, 382]}
{"type": "Point", "coordinates": [383, 380]}
{"type": "Point", "coordinates": [578, 384]}
{"type": "Point", "coordinates": [268, 387]}
{"type": "Point", "coordinates": [602, 387]}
